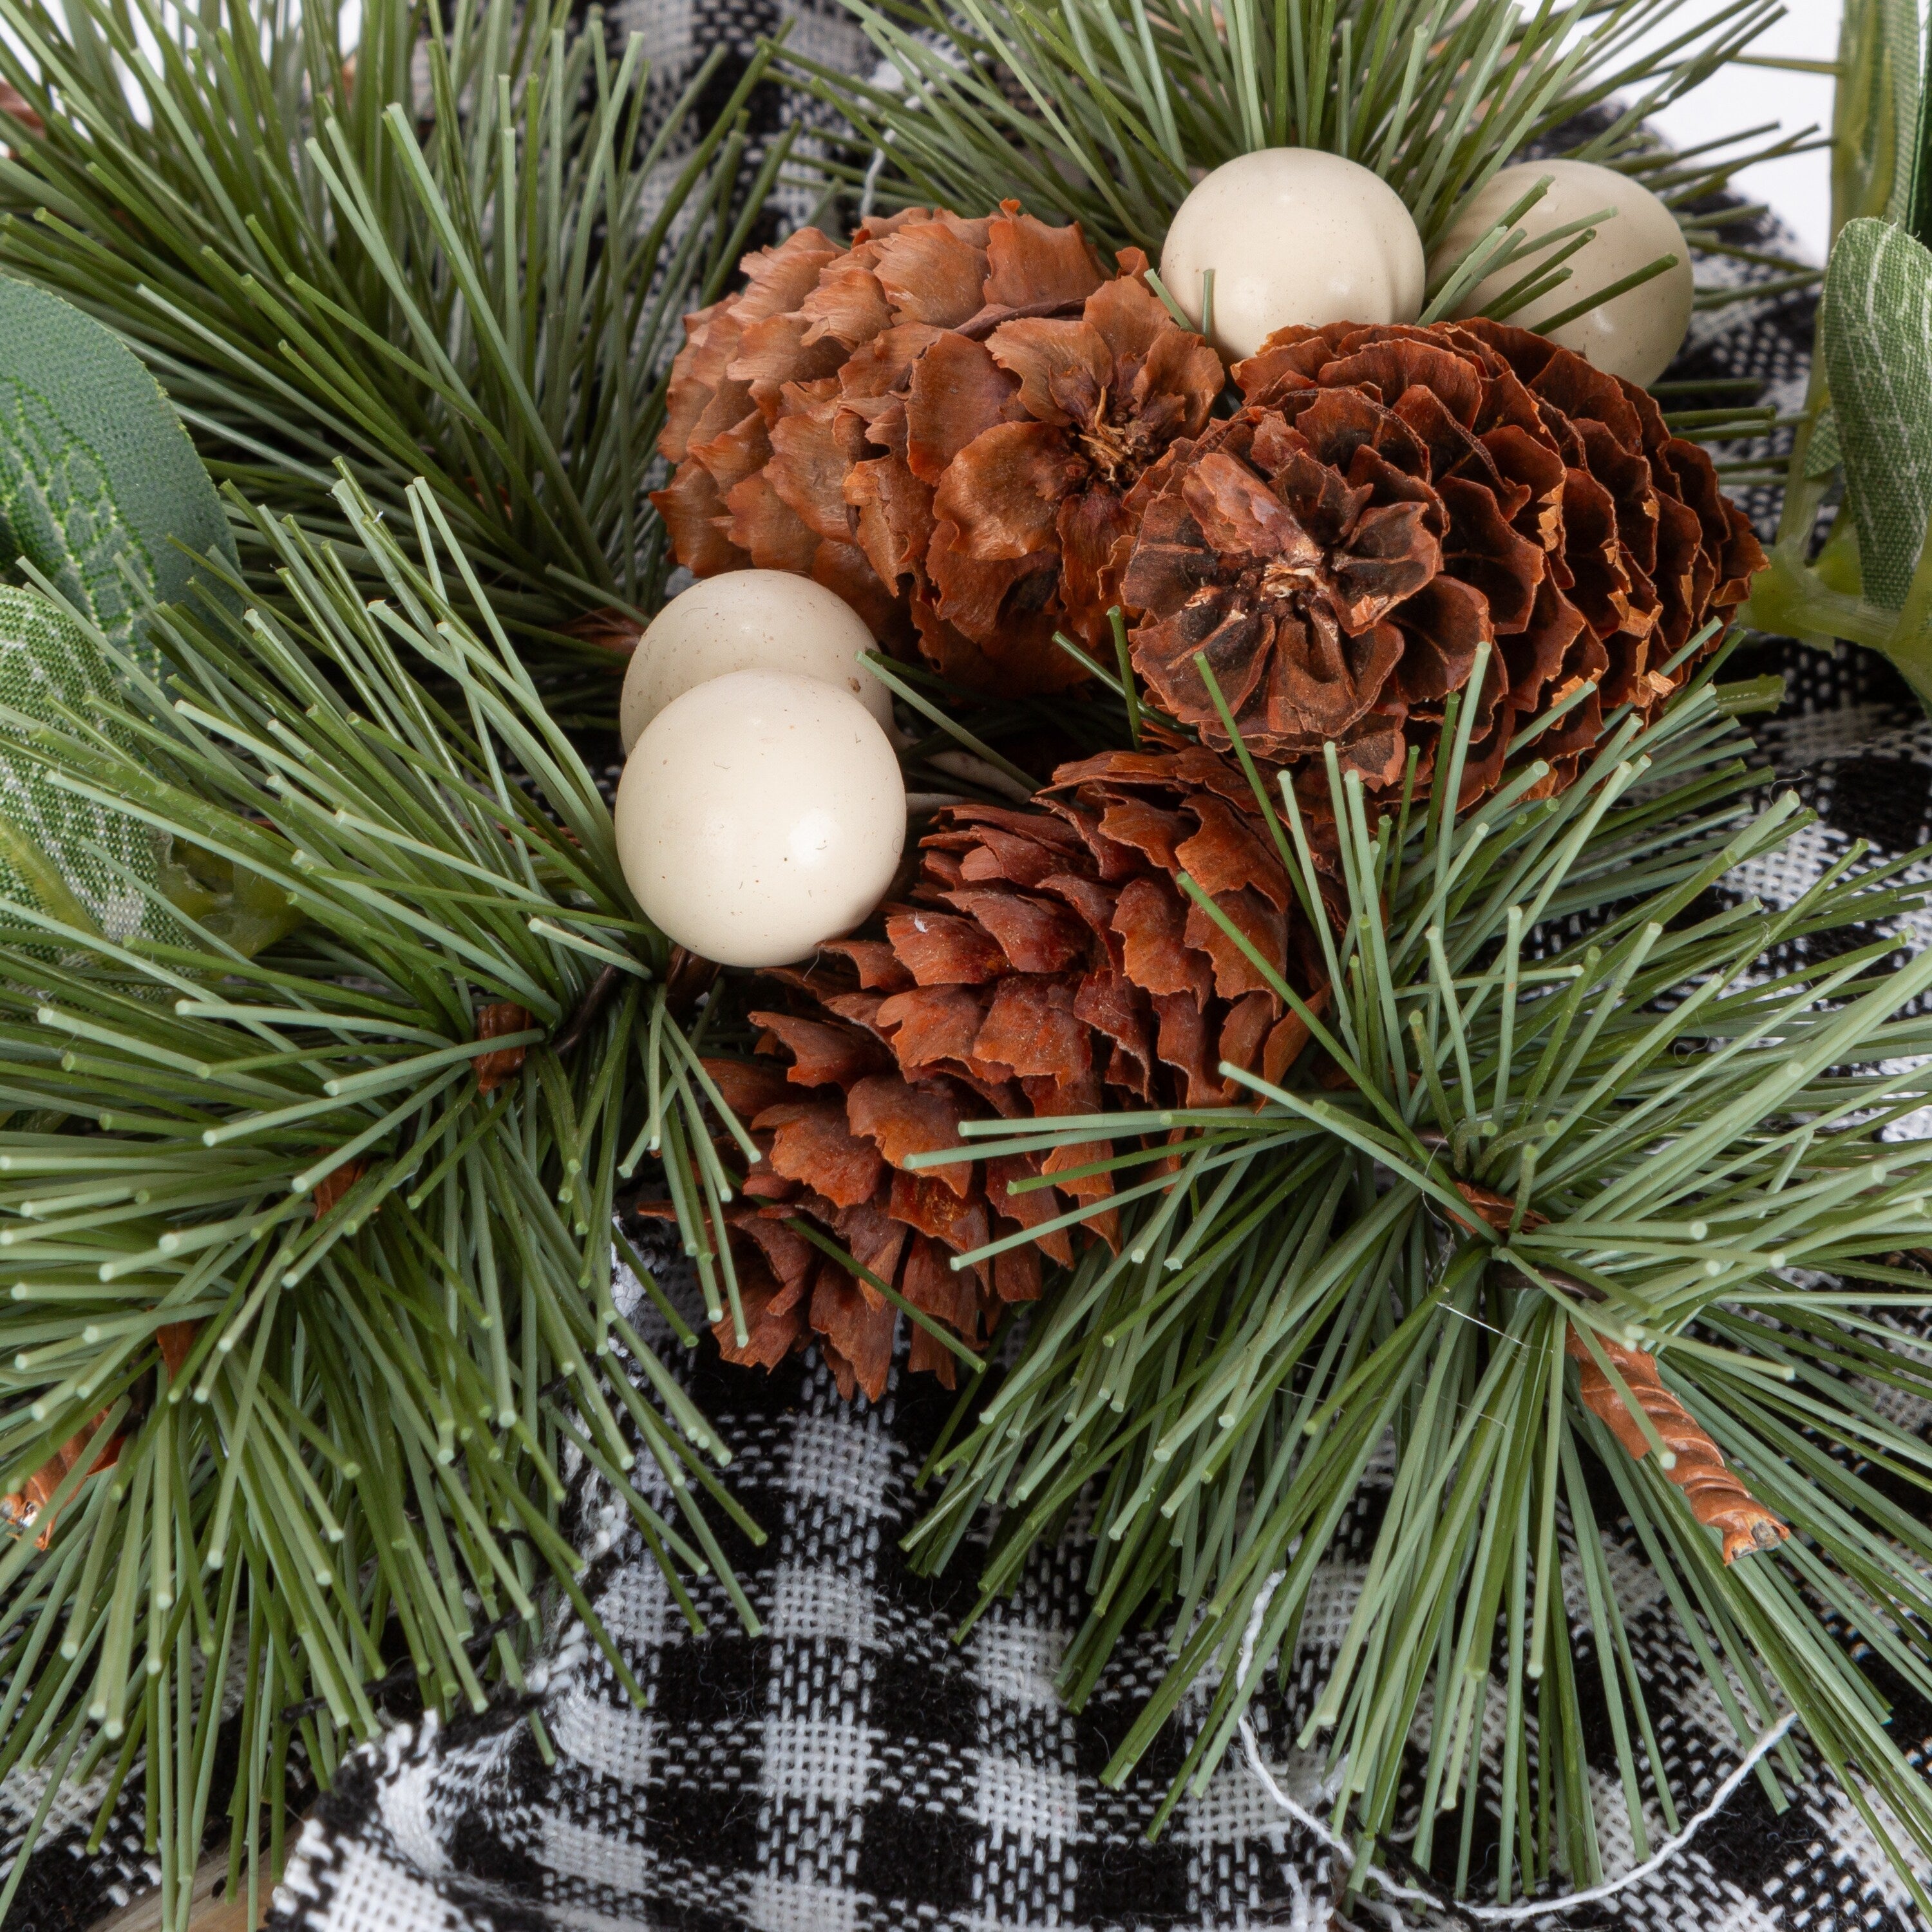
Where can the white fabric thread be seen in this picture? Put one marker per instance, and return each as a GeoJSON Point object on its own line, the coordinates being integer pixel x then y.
{"type": "Point", "coordinates": [1488, 1915]}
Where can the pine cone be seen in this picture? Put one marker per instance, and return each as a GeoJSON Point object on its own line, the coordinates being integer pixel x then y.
{"type": "Point", "coordinates": [1046, 964]}
{"type": "Point", "coordinates": [941, 423]}
{"type": "Point", "coordinates": [1390, 498]}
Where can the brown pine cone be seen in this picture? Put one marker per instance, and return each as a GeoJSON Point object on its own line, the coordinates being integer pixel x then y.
{"type": "Point", "coordinates": [1046, 964]}
{"type": "Point", "coordinates": [1391, 498]}
{"type": "Point", "coordinates": [942, 423]}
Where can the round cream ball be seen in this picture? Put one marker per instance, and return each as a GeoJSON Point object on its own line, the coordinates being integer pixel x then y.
{"type": "Point", "coordinates": [747, 620]}
{"type": "Point", "coordinates": [759, 814]}
{"type": "Point", "coordinates": [1293, 235]}
{"type": "Point", "coordinates": [1634, 334]}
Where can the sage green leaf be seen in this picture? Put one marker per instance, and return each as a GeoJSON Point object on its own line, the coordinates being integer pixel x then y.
{"type": "Point", "coordinates": [1876, 327]}
{"type": "Point", "coordinates": [100, 490]}
{"type": "Point", "coordinates": [1875, 112]}
{"type": "Point", "coordinates": [81, 862]}
{"type": "Point", "coordinates": [1899, 26]}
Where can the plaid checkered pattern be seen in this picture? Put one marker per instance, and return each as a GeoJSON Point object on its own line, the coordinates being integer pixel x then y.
{"type": "Point", "coordinates": [853, 1769]}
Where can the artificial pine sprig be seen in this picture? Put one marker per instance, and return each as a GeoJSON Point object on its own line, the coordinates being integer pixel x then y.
{"type": "Point", "coordinates": [1503, 1154]}
{"type": "Point", "coordinates": [312, 1242]}
{"type": "Point", "coordinates": [1107, 111]}
{"type": "Point", "coordinates": [458, 254]}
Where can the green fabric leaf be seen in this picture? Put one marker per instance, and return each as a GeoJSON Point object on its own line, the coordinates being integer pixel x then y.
{"type": "Point", "coordinates": [1899, 24]}
{"type": "Point", "coordinates": [98, 480]}
{"type": "Point", "coordinates": [102, 493]}
{"type": "Point", "coordinates": [1875, 327]}
{"type": "Point", "coordinates": [81, 862]}
{"type": "Point", "coordinates": [1919, 215]}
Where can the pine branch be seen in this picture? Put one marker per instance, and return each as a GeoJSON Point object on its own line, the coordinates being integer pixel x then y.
{"type": "Point", "coordinates": [314, 1232]}
{"type": "Point", "coordinates": [1105, 111]}
{"type": "Point", "coordinates": [1502, 1153]}
{"type": "Point", "coordinates": [477, 277]}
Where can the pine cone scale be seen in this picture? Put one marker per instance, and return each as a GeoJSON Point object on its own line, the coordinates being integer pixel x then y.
{"type": "Point", "coordinates": [1000, 499]}
{"type": "Point", "coordinates": [810, 1143]}
{"type": "Point", "coordinates": [957, 393]}
{"type": "Point", "coordinates": [910, 327]}
{"type": "Point", "coordinates": [940, 951]}
{"type": "Point", "coordinates": [1066, 974]}
{"type": "Point", "coordinates": [903, 1120]}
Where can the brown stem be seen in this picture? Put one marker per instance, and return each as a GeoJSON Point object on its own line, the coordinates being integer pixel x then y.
{"type": "Point", "coordinates": [687, 979]}
{"type": "Point", "coordinates": [493, 1021]}
{"type": "Point", "coordinates": [615, 630]}
{"type": "Point", "coordinates": [594, 1000]}
{"type": "Point", "coordinates": [1717, 1498]}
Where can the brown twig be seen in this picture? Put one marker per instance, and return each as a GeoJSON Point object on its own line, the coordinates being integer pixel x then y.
{"type": "Point", "coordinates": [594, 1000]}
{"type": "Point", "coordinates": [983, 324]}
{"type": "Point", "coordinates": [1717, 1498]}
{"type": "Point", "coordinates": [613, 630]}
{"type": "Point", "coordinates": [687, 979]}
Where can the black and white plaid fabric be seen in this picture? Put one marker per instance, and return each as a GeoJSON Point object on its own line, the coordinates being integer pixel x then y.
{"type": "Point", "coordinates": [853, 1769]}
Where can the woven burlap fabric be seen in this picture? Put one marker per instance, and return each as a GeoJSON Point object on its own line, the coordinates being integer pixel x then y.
{"type": "Point", "coordinates": [854, 1768]}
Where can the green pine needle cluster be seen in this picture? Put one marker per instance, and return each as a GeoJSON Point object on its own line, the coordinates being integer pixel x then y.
{"type": "Point", "coordinates": [1691, 1150]}
{"type": "Point", "coordinates": [400, 1284]}
{"type": "Point", "coordinates": [416, 306]}
{"type": "Point", "coordinates": [458, 254]}
{"type": "Point", "coordinates": [1108, 111]}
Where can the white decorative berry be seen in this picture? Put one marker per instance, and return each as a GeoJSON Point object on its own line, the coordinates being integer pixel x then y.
{"type": "Point", "coordinates": [747, 620]}
{"type": "Point", "coordinates": [759, 814]}
{"type": "Point", "coordinates": [1634, 334]}
{"type": "Point", "coordinates": [1292, 235]}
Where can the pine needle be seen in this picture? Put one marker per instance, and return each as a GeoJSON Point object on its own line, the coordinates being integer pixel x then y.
{"type": "Point", "coordinates": [1663, 1133]}
{"type": "Point", "coordinates": [451, 254]}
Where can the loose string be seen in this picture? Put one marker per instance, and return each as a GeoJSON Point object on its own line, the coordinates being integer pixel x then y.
{"type": "Point", "coordinates": [870, 186]}
{"type": "Point", "coordinates": [1493, 1915]}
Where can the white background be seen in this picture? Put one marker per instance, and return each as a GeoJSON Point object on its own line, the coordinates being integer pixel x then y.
{"type": "Point", "coordinates": [1799, 186]}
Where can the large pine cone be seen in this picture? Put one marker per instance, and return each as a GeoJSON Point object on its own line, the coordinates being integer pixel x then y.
{"type": "Point", "coordinates": [1046, 964]}
{"type": "Point", "coordinates": [941, 423]}
{"type": "Point", "coordinates": [1390, 499]}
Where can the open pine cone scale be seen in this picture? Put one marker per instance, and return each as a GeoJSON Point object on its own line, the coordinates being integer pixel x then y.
{"type": "Point", "coordinates": [942, 423]}
{"type": "Point", "coordinates": [1046, 963]}
{"type": "Point", "coordinates": [1392, 499]}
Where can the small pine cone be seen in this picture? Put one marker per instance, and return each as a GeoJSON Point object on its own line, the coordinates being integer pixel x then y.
{"type": "Point", "coordinates": [1718, 1497]}
{"type": "Point", "coordinates": [1390, 499]}
{"type": "Point", "coordinates": [942, 423]}
{"type": "Point", "coordinates": [1046, 963]}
